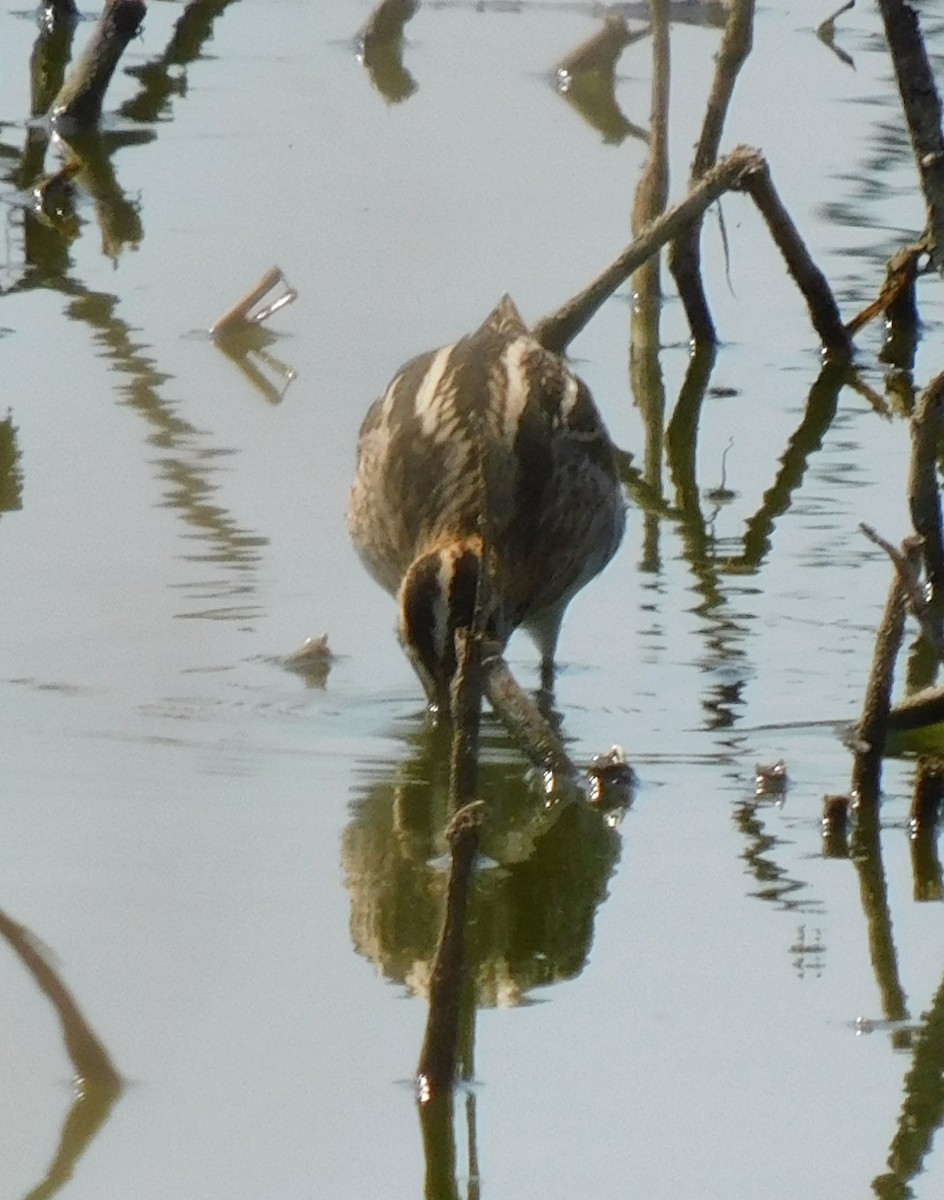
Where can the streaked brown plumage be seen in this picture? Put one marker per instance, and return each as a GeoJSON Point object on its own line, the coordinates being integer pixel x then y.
{"type": "Point", "coordinates": [484, 463]}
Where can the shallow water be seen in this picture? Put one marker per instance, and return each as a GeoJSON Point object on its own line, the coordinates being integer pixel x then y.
{"type": "Point", "coordinates": [233, 870]}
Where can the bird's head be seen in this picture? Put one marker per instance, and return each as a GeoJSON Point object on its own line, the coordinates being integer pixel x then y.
{"type": "Point", "coordinates": [438, 597]}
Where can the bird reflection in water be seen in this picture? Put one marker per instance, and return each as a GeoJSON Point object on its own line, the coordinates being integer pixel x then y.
{"type": "Point", "coordinates": [543, 872]}
{"type": "Point", "coordinates": [546, 870]}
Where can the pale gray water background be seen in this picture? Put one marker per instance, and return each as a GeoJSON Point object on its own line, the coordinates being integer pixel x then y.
{"type": "Point", "coordinates": [183, 824]}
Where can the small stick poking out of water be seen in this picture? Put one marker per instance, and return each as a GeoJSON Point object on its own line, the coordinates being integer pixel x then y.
{"type": "Point", "coordinates": [244, 314]}
{"type": "Point", "coordinates": [836, 811]}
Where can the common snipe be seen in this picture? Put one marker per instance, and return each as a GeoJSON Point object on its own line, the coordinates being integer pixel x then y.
{"type": "Point", "coordinates": [484, 468]}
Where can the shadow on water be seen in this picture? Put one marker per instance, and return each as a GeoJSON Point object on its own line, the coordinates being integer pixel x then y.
{"type": "Point", "coordinates": [50, 222]}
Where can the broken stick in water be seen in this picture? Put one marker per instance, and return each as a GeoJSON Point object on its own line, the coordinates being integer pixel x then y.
{"type": "Point", "coordinates": [241, 316]}
{"type": "Point", "coordinates": [59, 10]}
{"type": "Point", "coordinates": [896, 299]}
{"type": "Point", "coordinates": [928, 791]}
{"type": "Point", "coordinates": [835, 826]}
{"type": "Point", "coordinates": [907, 564]}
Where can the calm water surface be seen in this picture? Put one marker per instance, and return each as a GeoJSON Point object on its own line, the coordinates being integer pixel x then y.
{"type": "Point", "coordinates": [232, 871]}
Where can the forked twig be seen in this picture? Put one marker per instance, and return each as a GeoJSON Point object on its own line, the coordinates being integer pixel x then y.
{"type": "Point", "coordinates": [241, 316]}
{"type": "Point", "coordinates": [744, 169]}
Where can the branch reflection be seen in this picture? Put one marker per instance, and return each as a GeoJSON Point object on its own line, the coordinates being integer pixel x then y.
{"type": "Point", "coordinates": [922, 1110]}
{"type": "Point", "coordinates": [186, 464]}
{"type": "Point", "coordinates": [97, 1084]}
{"type": "Point", "coordinates": [586, 78]}
{"type": "Point", "coordinates": [248, 351]}
{"type": "Point", "coordinates": [11, 474]}
{"type": "Point", "coordinates": [158, 78]}
{"type": "Point", "coordinates": [379, 48]}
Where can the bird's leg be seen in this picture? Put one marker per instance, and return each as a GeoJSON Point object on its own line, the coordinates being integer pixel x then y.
{"type": "Point", "coordinates": [544, 630]}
